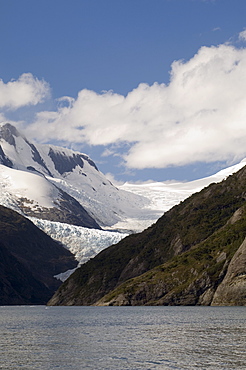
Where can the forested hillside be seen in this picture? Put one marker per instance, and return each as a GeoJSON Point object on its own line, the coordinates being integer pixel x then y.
{"type": "Point", "coordinates": [181, 259]}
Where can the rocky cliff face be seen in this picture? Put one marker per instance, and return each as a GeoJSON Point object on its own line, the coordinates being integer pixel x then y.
{"type": "Point", "coordinates": [183, 259]}
{"type": "Point", "coordinates": [232, 289]}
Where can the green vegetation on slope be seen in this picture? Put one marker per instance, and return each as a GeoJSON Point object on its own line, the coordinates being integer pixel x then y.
{"type": "Point", "coordinates": [188, 279]}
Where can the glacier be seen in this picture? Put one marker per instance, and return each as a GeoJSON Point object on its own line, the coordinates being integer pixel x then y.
{"type": "Point", "coordinates": [84, 243]}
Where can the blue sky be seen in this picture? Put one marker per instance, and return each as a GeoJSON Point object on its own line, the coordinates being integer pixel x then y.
{"type": "Point", "coordinates": [146, 82]}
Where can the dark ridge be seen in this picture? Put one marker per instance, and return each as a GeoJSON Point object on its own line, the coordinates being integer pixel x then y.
{"type": "Point", "coordinates": [37, 158]}
{"type": "Point", "coordinates": [5, 160]}
{"type": "Point", "coordinates": [63, 163]}
{"type": "Point", "coordinates": [7, 132]}
{"type": "Point", "coordinates": [75, 212]}
{"type": "Point", "coordinates": [29, 261]}
{"type": "Point", "coordinates": [17, 284]}
{"type": "Point", "coordinates": [90, 161]}
{"type": "Point", "coordinates": [30, 168]}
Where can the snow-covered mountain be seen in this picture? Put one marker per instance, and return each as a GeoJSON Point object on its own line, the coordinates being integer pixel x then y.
{"type": "Point", "coordinates": [34, 195]}
{"type": "Point", "coordinates": [63, 193]}
{"type": "Point", "coordinates": [59, 184]}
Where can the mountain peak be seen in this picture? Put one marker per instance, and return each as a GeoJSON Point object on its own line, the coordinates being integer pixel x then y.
{"type": "Point", "coordinates": [69, 179]}
{"type": "Point", "coordinates": [8, 132]}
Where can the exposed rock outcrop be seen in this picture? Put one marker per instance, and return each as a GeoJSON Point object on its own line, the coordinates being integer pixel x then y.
{"type": "Point", "coordinates": [232, 290]}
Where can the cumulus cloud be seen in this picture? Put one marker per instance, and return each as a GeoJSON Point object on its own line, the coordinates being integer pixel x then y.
{"type": "Point", "coordinates": [27, 90]}
{"type": "Point", "coordinates": [199, 116]}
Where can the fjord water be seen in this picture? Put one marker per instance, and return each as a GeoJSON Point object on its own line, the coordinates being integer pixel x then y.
{"type": "Point", "coordinates": [111, 338]}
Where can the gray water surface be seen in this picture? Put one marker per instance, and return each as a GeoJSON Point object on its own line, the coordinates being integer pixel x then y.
{"type": "Point", "coordinates": [40, 337]}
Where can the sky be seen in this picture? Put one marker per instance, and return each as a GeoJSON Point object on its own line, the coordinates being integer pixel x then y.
{"type": "Point", "coordinates": [149, 89]}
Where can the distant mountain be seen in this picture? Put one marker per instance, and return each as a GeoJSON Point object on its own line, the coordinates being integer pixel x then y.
{"type": "Point", "coordinates": [59, 184]}
{"type": "Point", "coordinates": [29, 260]}
{"type": "Point", "coordinates": [195, 254]}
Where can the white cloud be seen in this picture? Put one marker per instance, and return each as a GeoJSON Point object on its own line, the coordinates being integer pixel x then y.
{"type": "Point", "coordinates": [199, 116]}
{"type": "Point", "coordinates": [108, 152]}
{"type": "Point", "coordinates": [242, 35]}
{"type": "Point", "coordinates": [27, 90]}
{"type": "Point", "coordinates": [216, 29]}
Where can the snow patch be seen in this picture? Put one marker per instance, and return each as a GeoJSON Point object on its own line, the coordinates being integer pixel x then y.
{"type": "Point", "coordinates": [32, 189]}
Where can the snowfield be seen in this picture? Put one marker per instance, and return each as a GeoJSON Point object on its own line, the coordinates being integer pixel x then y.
{"type": "Point", "coordinates": [164, 195]}
{"type": "Point", "coordinates": [33, 189]}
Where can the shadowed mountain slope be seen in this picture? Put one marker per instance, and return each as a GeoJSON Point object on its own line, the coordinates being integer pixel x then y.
{"type": "Point", "coordinates": [29, 261]}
